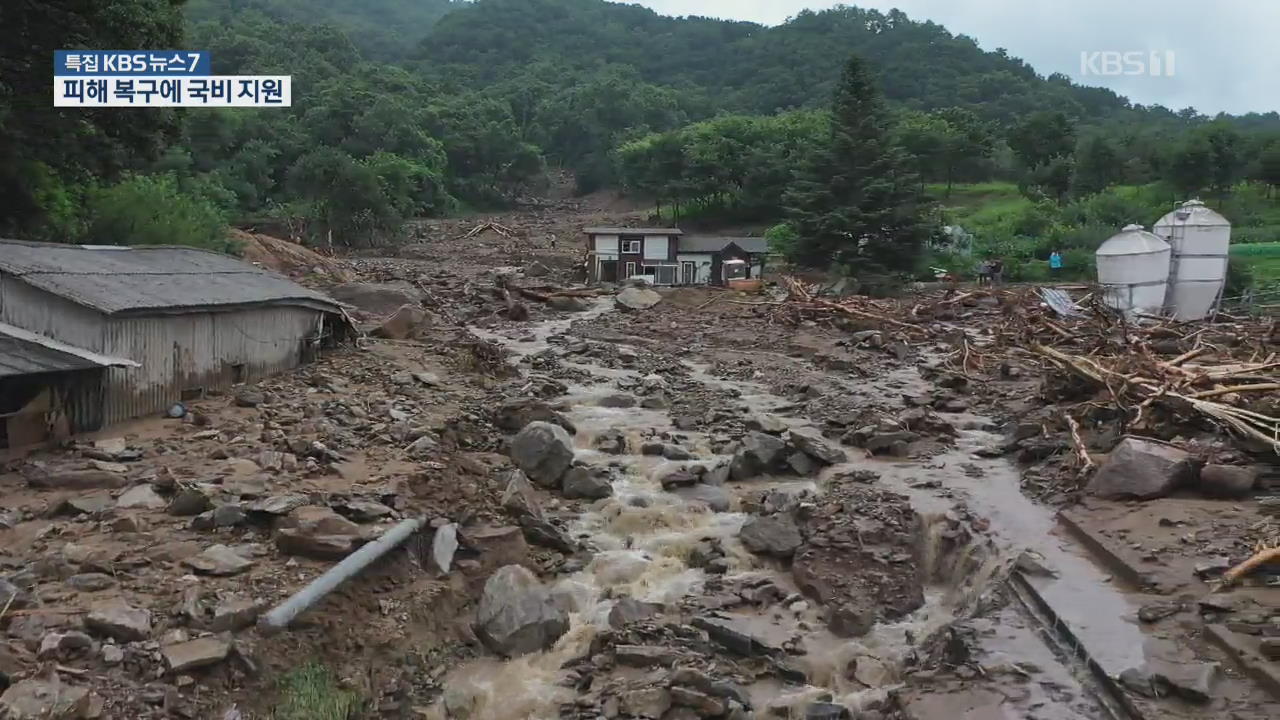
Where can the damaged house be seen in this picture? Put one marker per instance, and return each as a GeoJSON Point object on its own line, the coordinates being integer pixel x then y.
{"type": "Point", "coordinates": [666, 256]}
{"type": "Point", "coordinates": [92, 335]}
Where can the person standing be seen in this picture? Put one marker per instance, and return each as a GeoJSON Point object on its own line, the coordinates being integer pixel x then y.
{"type": "Point", "coordinates": [1055, 263]}
{"type": "Point", "coordinates": [984, 272]}
{"type": "Point", "coordinates": [997, 271]}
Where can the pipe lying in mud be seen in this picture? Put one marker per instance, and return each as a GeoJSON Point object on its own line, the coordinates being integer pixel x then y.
{"type": "Point", "coordinates": [354, 564]}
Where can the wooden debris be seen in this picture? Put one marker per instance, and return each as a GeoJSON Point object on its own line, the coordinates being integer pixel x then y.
{"type": "Point", "coordinates": [502, 230]}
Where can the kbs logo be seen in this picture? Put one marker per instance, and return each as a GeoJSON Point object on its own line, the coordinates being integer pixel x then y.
{"type": "Point", "coordinates": [1155, 63]}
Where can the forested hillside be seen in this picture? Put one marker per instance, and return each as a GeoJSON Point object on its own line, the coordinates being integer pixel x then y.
{"type": "Point", "coordinates": [408, 108]}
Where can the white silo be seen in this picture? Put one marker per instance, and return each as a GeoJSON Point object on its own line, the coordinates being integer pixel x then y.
{"type": "Point", "coordinates": [1133, 269]}
{"type": "Point", "coordinates": [1200, 239]}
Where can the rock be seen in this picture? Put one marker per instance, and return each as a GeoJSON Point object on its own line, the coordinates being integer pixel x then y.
{"type": "Point", "coordinates": [879, 443]}
{"type": "Point", "coordinates": [88, 504]}
{"type": "Point", "coordinates": [645, 656]}
{"type": "Point", "coordinates": [617, 400]}
{"type": "Point", "coordinates": [759, 452]}
{"type": "Point", "coordinates": [189, 501]}
{"type": "Point", "coordinates": [229, 515]}
{"type": "Point", "coordinates": [58, 644]}
{"type": "Point", "coordinates": [250, 398]}
{"type": "Point", "coordinates": [497, 546]}
{"type": "Point", "coordinates": [141, 497]}
{"type": "Point", "coordinates": [1193, 683]}
{"type": "Point", "coordinates": [77, 480]}
{"type": "Point", "coordinates": [277, 504]}
{"type": "Point", "coordinates": [717, 475]}
{"type": "Point", "coordinates": [1156, 612]}
{"type": "Point", "coordinates": [112, 654]}
{"type": "Point", "coordinates": [717, 499]}
{"type": "Point", "coordinates": [514, 415]}
{"type": "Point", "coordinates": [219, 561]}
{"type": "Point", "coordinates": [403, 324]}
{"type": "Point", "coordinates": [826, 711]}
{"type": "Point", "coordinates": [194, 654]}
{"type": "Point", "coordinates": [735, 636]}
{"type": "Point", "coordinates": [776, 536]}
{"type": "Point", "coordinates": [587, 482]}
{"type": "Point", "coordinates": [379, 299]}
{"type": "Point", "coordinates": [318, 547]}
{"type": "Point", "coordinates": [628, 610]}
{"type": "Point", "coordinates": [422, 447]}
{"type": "Point", "coordinates": [650, 703]}
{"type": "Point", "coordinates": [363, 511]}
{"type": "Point", "coordinates": [847, 621]}
{"type": "Point", "coordinates": [675, 452]}
{"type": "Point", "coordinates": [1227, 481]}
{"type": "Point", "coordinates": [544, 452]}
{"type": "Point", "coordinates": [519, 498]}
{"type": "Point", "coordinates": [705, 705]}
{"type": "Point", "coordinates": [816, 446]}
{"type": "Point", "coordinates": [443, 546]}
{"type": "Point", "coordinates": [540, 531]}
{"type": "Point", "coordinates": [234, 613]}
{"type": "Point", "coordinates": [536, 269]}
{"type": "Point", "coordinates": [802, 464]}
{"type": "Point", "coordinates": [1142, 468]}
{"type": "Point", "coordinates": [655, 402]}
{"type": "Point", "coordinates": [118, 620]}
{"type": "Point", "coordinates": [771, 424]}
{"type": "Point", "coordinates": [44, 699]}
{"type": "Point", "coordinates": [517, 614]}
{"type": "Point", "coordinates": [677, 477]}
{"type": "Point", "coordinates": [568, 304]}
{"type": "Point", "coordinates": [637, 299]}
{"type": "Point", "coordinates": [91, 582]}
{"type": "Point", "coordinates": [611, 442]}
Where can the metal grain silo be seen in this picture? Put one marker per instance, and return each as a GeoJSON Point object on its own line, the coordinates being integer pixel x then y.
{"type": "Point", "coordinates": [1200, 239]}
{"type": "Point", "coordinates": [1133, 269]}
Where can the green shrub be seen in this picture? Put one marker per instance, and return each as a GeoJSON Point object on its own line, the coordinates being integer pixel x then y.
{"type": "Point", "coordinates": [311, 693]}
{"type": "Point", "coordinates": [152, 210]}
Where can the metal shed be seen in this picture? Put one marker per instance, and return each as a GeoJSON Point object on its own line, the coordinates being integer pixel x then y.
{"type": "Point", "coordinates": [171, 322]}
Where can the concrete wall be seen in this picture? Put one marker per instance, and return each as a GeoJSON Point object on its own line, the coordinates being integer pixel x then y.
{"type": "Point", "coordinates": [703, 262]}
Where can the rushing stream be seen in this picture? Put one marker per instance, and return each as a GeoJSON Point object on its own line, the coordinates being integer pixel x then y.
{"type": "Point", "coordinates": [642, 535]}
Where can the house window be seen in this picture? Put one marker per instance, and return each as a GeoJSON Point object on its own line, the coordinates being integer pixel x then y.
{"type": "Point", "coordinates": [631, 247]}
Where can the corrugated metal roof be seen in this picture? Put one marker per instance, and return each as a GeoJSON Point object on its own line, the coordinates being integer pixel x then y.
{"type": "Point", "coordinates": [114, 279]}
{"type": "Point", "coordinates": [632, 231]}
{"type": "Point", "coordinates": [21, 357]}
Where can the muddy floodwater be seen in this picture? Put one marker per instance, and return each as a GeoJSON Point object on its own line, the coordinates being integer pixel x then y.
{"type": "Point", "coordinates": [641, 538]}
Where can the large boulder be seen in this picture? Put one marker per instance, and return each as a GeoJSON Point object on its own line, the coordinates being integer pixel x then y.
{"type": "Point", "coordinates": [517, 614]}
{"type": "Point", "coordinates": [814, 445]}
{"type": "Point", "coordinates": [403, 324]}
{"type": "Point", "coordinates": [44, 699]}
{"type": "Point", "coordinates": [637, 299]}
{"type": "Point", "coordinates": [1143, 469]}
{"type": "Point", "coordinates": [317, 532]}
{"type": "Point", "coordinates": [543, 451]}
{"type": "Point", "coordinates": [568, 304]}
{"type": "Point", "coordinates": [587, 482]}
{"type": "Point", "coordinates": [381, 299]}
{"type": "Point", "coordinates": [1227, 481]}
{"type": "Point", "coordinates": [759, 452]}
{"type": "Point", "coordinates": [515, 415]}
{"type": "Point", "coordinates": [776, 535]}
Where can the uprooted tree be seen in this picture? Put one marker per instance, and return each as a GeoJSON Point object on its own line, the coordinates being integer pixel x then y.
{"type": "Point", "coordinates": [855, 205]}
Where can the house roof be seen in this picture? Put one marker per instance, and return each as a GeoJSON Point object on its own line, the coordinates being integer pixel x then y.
{"type": "Point", "coordinates": [23, 352]}
{"type": "Point", "coordinates": [632, 231]}
{"type": "Point", "coordinates": [118, 279]}
{"type": "Point", "coordinates": [716, 243]}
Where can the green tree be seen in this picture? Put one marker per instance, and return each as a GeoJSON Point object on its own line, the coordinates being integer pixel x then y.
{"type": "Point", "coordinates": [1225, 157]}
{"type": "Point", "coordinates": [151, 210]}
{"type": "Point", "coordinates": [41, 144]}
{"type": "Point", "coordinates": [1041, 137]}
{"type": "Point", "coordinates": [1269, 167]}
{"type": "Point", "coordinates": [1098, 166]}
{"type": "Point", "coordinates": [1191, 166]}
{"type": "Point", "coordinates": [856, 205]}
{"type": "Point", "coordinates": [968, 143]}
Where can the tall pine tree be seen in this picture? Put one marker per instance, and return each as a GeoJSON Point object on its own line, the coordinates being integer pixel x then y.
{"type": "Point", "coordinates": [856, 205]}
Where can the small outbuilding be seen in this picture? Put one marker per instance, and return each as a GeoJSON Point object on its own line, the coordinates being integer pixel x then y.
{"type": "Point", "coordinates": [92, 335]}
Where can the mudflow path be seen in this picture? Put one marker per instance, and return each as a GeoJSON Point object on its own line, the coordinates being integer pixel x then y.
{"type": "Point", "coordinates": [644, 536]}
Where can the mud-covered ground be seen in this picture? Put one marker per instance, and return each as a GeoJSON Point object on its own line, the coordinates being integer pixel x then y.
{"type": "Point", "coordinates": [765, 518]}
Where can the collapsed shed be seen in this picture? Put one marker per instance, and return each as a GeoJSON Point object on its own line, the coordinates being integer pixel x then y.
{"type": "Point", "coordinates": [92, 335]}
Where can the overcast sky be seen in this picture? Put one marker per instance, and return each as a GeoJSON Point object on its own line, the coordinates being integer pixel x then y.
{"type": "Point", "coordinates": [1226, 52]}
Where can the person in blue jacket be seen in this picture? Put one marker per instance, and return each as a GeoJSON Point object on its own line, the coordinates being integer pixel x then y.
{"type": "Point", "coordinates": [1055, 262]}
